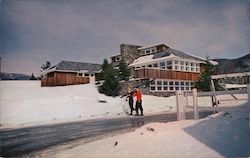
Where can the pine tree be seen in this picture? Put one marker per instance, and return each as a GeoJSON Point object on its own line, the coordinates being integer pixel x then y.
{"type": "Point", "coordinates": [33, 77]}
{"type": "Point", "coordinates": [104, 67]}
{"type": "Point", "coordinates": [124, 71]}
{"type": "Point", "coordinates": [110, 86]}
{"type": "Point", "coordinates": [204, 81]}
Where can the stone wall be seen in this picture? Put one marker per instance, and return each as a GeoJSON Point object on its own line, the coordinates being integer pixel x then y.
{"type": "Point", "coordinates": [129, 53]}
{"type": "Point", "coordinates": [145, 88]}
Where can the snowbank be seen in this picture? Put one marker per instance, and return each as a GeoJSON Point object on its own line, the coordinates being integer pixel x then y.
{"type": "Point", "coordinates": [222, 135]}
{"type": "Point", "coordinates": [26, 103]}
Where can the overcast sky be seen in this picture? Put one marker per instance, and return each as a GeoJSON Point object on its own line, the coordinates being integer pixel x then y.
{"type": "Point", "coordinates": [34, 31]}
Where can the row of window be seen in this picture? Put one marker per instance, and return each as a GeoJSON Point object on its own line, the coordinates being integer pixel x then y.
{"type": "Point", "coordinates": [174, 65]}
{"type": "Point", "coordinates": [148, 51]}
{"type": "Point", "coordinates": [84, 75]}
{"type": "Point", "coordinates": [171, 85]}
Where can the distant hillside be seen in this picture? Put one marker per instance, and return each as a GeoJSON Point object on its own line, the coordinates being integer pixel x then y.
{"type": "Point", "coordinates": [14, 76]}
{"type": "Point", "coordinates": [241, 64]}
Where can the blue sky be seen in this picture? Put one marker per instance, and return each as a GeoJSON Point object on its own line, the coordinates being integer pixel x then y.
{"type": "Point", "coordinates": [34, 31]}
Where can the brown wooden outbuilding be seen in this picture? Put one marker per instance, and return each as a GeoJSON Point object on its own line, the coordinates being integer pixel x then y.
{"type": "Point", "coordinates": [70, 73]}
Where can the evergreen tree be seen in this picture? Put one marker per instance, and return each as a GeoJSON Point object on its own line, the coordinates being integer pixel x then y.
{"type": "Point", "coordinates": [124, 71]}
{"type": "Point", "coordinates": [110, 86]}
{"type": "Point", "coordinates": [33, 77]}
{"type": "Point", "coordinates": [104, 67]}
{"type": "Point", "coordinates": [204, 81]}
{"type": "Point", "coordinates": [46, 65]}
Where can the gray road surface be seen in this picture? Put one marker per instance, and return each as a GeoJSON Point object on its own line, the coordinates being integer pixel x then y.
{"type": "Point", "coordinates": [19, 142]}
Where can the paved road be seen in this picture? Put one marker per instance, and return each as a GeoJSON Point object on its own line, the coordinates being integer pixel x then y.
{"type": "Point", "coordinates": [18, 142]}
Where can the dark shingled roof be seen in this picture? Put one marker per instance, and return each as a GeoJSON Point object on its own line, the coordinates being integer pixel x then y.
{"type": "Point", "coordinates": [77, 66]}
{"type": "Point", "coordinates": [169, 51]}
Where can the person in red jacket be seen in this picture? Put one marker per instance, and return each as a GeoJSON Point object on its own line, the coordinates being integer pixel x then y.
{"type": "Point", "coordinates": [138, 105]}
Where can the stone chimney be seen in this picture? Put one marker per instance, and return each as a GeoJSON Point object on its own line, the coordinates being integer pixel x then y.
{"type": "Point", "coordinates": [129, 52]}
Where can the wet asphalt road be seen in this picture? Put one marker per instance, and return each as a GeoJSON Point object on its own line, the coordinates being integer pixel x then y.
{"type": "Point", "coordinates": [19, 142]}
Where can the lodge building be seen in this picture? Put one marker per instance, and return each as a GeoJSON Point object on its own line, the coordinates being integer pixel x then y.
{"type": "Point", "coordinates": [172, 69]}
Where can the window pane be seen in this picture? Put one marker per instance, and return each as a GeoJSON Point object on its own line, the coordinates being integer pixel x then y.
{"type": "Point", "coordinates": [171, 83]}
{"type": "Point", "coordinates": [176, 67]}
{"type": "Point", "coordinates": [187, 63]}
{"type": "Point", "coordinates": [162, 64]}
{"type": "Point", "coordinates": [165, 88]}
{"type": "Point", "coordinates": [159, 88]}
{"type": "Point", "coordinates": [182, 83]}
{"type": "Point", "coordinates": [176, 83]}
{"type": "Point", "coordinates": [158, 82]}
{"type": "Point", "coordinates": [149, 65]}
{"type": "Point", "coordinates": [165, 82]}
{"type": "Point", "coordinates": [177, 88]}
{"type": "Point", "coordinates": [169, 67]}
{"type": "Point", "coordinates": [171, 88]}
{"type": "Point", "coordinates": [176, 62]}
{"type": "Point", "coordinates": [187, 83]}
{"type": "Point", "coordinates": [153, 83]}
{"type": "Point", "coordinates": [155, 65]}
{"type": "Point", "coordinates": [192, 64]}
{"type": "Point", "coordinates": [152, 88]}
{"type": "Point", "coordinates": [182, 88]}
{"type": "Point", "coordinates": [169, 62]}
{"type": "Point", "coordinates": [182, 62]}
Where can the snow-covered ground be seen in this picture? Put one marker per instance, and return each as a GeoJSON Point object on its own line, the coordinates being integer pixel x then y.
{"type": "Point", "coordinates": [26, 103]}
{"type": "Point", "coordinates": [221, 135]}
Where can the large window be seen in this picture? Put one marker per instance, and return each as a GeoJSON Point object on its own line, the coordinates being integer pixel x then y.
{"type": "Point", "coordinates": [171, 85]}
{"type": "Point", "coordinates": [178, 65]}
{"type": "Point", "coordinates": [155, 65]}
{"type": "Point", "coordinates": [169, 65]}
{"type": "Point", "coordinates": [162, 65]}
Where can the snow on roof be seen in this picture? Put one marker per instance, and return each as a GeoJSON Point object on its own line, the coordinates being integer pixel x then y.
{"type": "Point", "coordinates": [211, 61]}
{"type": "Point", "coordinates": [71, 66]}
{"type": "Point", "coordinates": [165, 54]}
{"type": "Point", "coordinates": [150, 46]}
{"type": "Point", "coordinates": [148, 59]}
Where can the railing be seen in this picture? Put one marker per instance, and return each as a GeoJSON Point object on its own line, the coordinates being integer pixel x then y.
{"type": "Point", "coordinates": [182, 96]}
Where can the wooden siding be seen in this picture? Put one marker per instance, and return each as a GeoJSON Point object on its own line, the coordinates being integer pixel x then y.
{"type": "Point", "coordinates": [63, 79]}
{"type": "Point", "coordinates": [166, 74]}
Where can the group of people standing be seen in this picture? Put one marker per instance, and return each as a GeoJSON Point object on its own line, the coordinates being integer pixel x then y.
{"type": "Point", "coordinates": [138, 105]}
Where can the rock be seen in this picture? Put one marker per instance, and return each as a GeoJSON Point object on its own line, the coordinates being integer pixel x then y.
{"type": "Point", "coordinates": [116, 143]}
{"type": "Point", "coordinates": [102, 101]}
{"type": "Point", "coordinates": [150, 129]}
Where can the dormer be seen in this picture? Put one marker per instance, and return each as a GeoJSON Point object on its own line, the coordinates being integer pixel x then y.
{"type": "Point", "coordinates": [147, 50]}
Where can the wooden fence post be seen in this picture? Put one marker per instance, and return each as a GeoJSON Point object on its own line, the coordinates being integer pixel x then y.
{"type": "Point", "coordinates": [180, 103]}
{"type": "Point", "coordinates": [195, 102]}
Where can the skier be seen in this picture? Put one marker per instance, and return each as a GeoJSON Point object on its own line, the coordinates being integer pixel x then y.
{"type": "Point", "coordinates": [130, 100]}
{"type": "Point", "coordinates": [138, 105]}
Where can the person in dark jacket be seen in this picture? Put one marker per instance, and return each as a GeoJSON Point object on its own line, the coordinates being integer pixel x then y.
{"type": "Point", "coordinates": [131, 101]}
